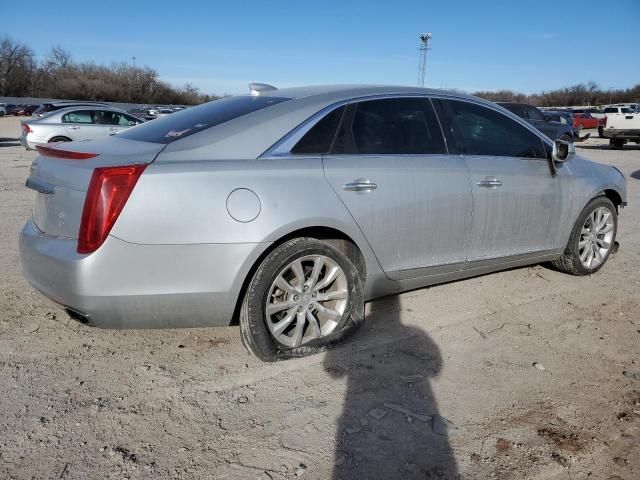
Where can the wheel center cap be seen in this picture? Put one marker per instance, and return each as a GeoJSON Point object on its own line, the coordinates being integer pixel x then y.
{"type": "Point", "coordinates": [305, 299]}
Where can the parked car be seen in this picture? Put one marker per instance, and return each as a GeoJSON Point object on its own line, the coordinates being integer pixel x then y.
{"type": "Point", "coordinates": [288, 209]}
{"type": "Point", "coordinates": [585, 120]}
{"type": "Point", "coordinates": [565, 117]}
{"type": "Point", "coordinates": [618, 111]}
{"type": "Point", "coordinates": [163, 112]}
{"type": "Point", "coordinates": [47, 108]}
{"type": "Point", "coordinates": [75, 123]}
{"type": "Point", "coordinates": [6, 109]}
{"type": "Point", "coordinates": [562, 116]}
{"type": "Point", "coordinates": [25, 110]}
{"type": "Point", "coordinates": [553, 130]}
{"type": "Point", "coordinates": [141, 113]}
{"type": "Point", "coordinates": [621, 128]}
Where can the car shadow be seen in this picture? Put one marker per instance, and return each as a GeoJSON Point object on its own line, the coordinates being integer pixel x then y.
{"type": "Point", "coordinates": [386, 429]}
{"type": "Point", "coordinates": [9, 143]}
{"type": "Point", "coordinates": [636, 175]}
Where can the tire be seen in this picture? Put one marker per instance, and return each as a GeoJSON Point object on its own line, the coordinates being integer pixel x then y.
{"type": "Point", "coordinates": [566, 137]}
{"type": "Point", "coordinates": [264, 337]}
{"type": "Point", "coordinates": [616, 144]}
{"type": "Point", "coordinates": [59, 139]}
{"type": "Point", "coordinates": [570, 261]}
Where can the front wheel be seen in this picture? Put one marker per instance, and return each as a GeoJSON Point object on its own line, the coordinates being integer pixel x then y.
{"type": "Point", "coordinates": [591, 240]}
{"type": "Point", "coordinates": [304, 297]}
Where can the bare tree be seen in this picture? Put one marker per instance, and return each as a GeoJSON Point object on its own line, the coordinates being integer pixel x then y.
{"type": "Point", "coordinates": [16, 67]}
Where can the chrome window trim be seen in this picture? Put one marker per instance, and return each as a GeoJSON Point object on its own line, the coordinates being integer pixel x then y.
{"type": "Point", "coordinates": [282, 148]}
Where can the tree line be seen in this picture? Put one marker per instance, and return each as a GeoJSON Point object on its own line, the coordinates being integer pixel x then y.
{"type": "Point", "coordinates": [57, 75]}
{"type": "Point", "coordinates": [581, 94]}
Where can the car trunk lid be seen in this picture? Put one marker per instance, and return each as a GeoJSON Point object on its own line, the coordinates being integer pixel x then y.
{"type": "Point", "coordinates": [61, 176]}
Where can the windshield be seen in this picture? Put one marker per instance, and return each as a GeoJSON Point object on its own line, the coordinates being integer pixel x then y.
{"type": "Point", "coordinates": [197, 119]}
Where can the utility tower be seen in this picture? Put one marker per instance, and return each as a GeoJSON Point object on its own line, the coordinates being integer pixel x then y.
{"type": "Point", "coordinates": [422, 59]}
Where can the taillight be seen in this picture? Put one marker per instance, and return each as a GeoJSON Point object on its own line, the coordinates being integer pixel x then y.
{"type": "Point", "coordinates": [26, 129]}
{"type": "Point", "coordinates": [108, 192]}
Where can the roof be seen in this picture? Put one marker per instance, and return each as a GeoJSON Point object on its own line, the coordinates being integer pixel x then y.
{"type": "Point", "coordinates": [250, 135]}
{"type": "Point", "coordinates": [335, 93]}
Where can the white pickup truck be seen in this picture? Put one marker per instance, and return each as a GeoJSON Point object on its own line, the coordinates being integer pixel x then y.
{"type": "Point", "coordinates": [621, 126]}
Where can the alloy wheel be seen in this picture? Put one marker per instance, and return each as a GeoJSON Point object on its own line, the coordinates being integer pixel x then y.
{"type": "Point", "coordinates": [306, 300]}
{"type": "Point", "coordinates": [596, 238]}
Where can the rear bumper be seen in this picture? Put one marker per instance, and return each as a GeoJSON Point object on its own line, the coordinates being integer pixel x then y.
{"type": "Point", "coordinates": [28, 144]}
{"type": "Point", "coordinates": [622, 134]}
{"type": "Point", "coordinates": [125, 285]}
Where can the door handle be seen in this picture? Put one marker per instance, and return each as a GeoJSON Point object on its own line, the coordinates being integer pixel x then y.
{"type": "Point", "coordinates": [360, 186]}
{"type": "Point", "coordinates": [73, 127]}
{"type": "Point", "coordinates": [490, 182]}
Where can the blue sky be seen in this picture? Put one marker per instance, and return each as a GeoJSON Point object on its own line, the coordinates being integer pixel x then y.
{"type": "Point", "coordinates": [521, 45]}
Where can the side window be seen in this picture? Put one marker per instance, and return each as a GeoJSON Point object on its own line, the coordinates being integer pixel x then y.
{"type": "Point", "coordinates": [484, 131]}
{"type": "Point", "coordinates": [533, 113]}
{"type": "Point", "coordinates": [125, 119]}
{"type": "Point", "coordinates": [320, 137]}
{"type": "Point", "coordinates": [80, 116]}
{"type": "Point", "coordinates": [105, 117]}
{"type": "Point", "coordinates": [395, 126]}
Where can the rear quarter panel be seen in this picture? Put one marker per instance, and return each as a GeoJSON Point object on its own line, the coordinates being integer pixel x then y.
{"type": "Point", "coordinates": [186, 203]}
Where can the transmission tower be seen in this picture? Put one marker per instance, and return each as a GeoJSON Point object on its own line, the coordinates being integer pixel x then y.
{"type": "Point", "coordinates": [422, 59]}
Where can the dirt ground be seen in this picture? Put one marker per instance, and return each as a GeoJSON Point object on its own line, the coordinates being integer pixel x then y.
{"type": "Point", "coordinates": [439, 383]}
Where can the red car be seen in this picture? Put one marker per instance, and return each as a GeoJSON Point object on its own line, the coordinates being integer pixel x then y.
{"type": "Point", "coordinates": [585, 120]}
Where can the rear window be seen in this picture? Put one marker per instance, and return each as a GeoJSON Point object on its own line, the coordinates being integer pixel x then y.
{"type": "Point", "coordinates": [197, 119]}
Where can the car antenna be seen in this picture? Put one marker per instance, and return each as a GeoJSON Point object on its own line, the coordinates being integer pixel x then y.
{"type": "Point", "coordinates": [258, 88]}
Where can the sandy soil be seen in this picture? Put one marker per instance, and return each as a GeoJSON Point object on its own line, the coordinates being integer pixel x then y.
{"type": "Point", "coordinates": [439, 383]}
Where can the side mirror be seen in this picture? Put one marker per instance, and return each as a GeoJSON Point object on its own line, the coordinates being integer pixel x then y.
{"type": "Point", "coordinates": [132, 123]}
{"type": "Point", "coordinates": [562, 151]}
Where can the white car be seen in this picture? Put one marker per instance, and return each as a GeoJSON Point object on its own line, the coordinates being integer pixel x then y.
{"type": "Point", "coordinates": [75, 123]}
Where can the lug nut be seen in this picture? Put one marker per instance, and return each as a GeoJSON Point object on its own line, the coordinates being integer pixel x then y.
{"type": "Point", "coordinates": [314, 294]}
{"type": "Point", "coordinates": [296, 298]}
{"type": "Point", "coordinates": [306, 288]}
{"type": "Point", "coordinates": [299, 309]}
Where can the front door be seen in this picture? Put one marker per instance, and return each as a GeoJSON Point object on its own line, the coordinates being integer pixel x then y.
{"type": "Point", "coordinates": [412, 200]}
{"type": "Point", "coordinates": [519, 205]}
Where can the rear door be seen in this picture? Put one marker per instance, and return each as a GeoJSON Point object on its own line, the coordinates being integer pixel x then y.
{"type": "Point", "coordinates": [114, 122]}
{"type": "Point", "coordinates": [411, 199]}
{"type": "Point", "coordinates": [519, 206]}
{"type": "Point", "coordinates": [84, 124]}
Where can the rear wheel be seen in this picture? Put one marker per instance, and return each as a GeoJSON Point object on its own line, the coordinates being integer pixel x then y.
{"type": "Point", "coordinates": [616, 144]}
{"type": "Point", "coordinates": [305, 297]}
{"type": "Point", "coordinates": [600, 131]}
{"type": "Point", "coordinates": [59, 139]}
{"type": "Point", "coordinates": [591, 240]}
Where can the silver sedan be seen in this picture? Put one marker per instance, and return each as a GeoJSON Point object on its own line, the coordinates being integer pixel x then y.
{"type": "Point", "coordinates": [288, 209]}
{"type": "Point", "coordinates": [85, 122]}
